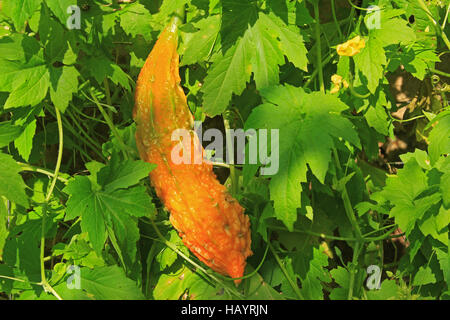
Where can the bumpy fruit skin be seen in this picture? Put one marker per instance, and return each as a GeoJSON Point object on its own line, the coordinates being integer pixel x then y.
{"type": "Point", "coordinates": [211, 223]}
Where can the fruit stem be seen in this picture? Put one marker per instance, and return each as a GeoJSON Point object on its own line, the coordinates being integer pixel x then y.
{"type": "Point", "coordinates": [178, 17]}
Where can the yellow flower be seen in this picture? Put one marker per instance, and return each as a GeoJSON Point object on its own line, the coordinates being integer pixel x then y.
{"type": "Point", "coordinates": [337, 81]}
{"type": "Point", "coordinates": [351, 47]}
{"type": "Point", "coordinates": [345, 83]}
{"type": "Point", "coordinates": [335, 89]}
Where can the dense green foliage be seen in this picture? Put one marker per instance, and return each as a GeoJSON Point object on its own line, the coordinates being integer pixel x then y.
{"type": "Point", "coordinates": [75, 200]}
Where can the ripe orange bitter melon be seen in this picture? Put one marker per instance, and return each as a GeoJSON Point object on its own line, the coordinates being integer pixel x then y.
{"type": "Point", "coordinates": [211, 223]}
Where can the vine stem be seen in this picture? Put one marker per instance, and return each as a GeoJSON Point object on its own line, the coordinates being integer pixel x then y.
{"type": "Point", "coordinates": [316, 234]}
{"type": "Point", "coordinates": [20, 280]}
{"type": "Point", "coordinates": [329, 237]}
{"type": "Point", "coordinates": [381, 229]}
{"type": "Point", "coordinates": [347, 203]}
{"type": "Point", "coordinates": [316, 71]}
{"type": "Point", "coordinates": [406, 120]}
{"type": "Point", "coordinates": [108, 95]}
{"type": "Point", "coordinates": [352, 271]}
{"type": "Point", "coordinates": [439, 72]}
{"type": "Point", "coordinates": [319, 45]}
{"type": "Point", "coordinates": [355, 226]}
{"type": "Point", "coordinates": [179, 15]}
{"type": "Point", "coordinates": [446, 17]}
{"type": "Point", "coordinates": [220, 164]}
{"type": "Point", "coordinates": [352, 89]}
{"type": "Point", "coordinates": [44, 282]}
{"type": "Point", "coordinates": [285, 272]}
{"type": "Point", "coordinates": [333, 11]}
{"type": "Point", "coordinates": [28, 167]}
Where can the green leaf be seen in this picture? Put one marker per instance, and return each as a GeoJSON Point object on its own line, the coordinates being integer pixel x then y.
{"type": "Point", "coordinates": [370, 62]}
{"type": "Point", "coordinates": [378, 119]}
{"type": "Point", "coordinates": [22, 59]}
{"type": "Point", "coordinates": [101, 67]}
{"type": "Point", "coordinates": [424, 276]}
{"type": "Point", "coordinates": [19, 47]}
{"type": "Point", "coordinates": [12, 186]}
{"type": "Point", "coordinates": [80, 191]}
{"type": "Point", "coordinates": [300, 119]}
{"type": "Point", "coordinates": [135, 19]}
{"type": "Point", "coordinates": [445, 189]}
{"type": "Point", "coordinates": [183, 283]}
{"type": "Point", "coordinates": [414, 197]}
{"type": "Point", "coordinates": [341, 276]}
{"type": "Point", "coordinates": [421, 18]}
{"type": "Point", "coordinates": [59, 8]}
{"type": "Point", "coordinates": [79, 251]}
{"type": "Point", "coordinates": [444, 262]}
{"type": "Point", "coordinates": [82, 203]}
{"type": "Point", "coordinates": [340, 185]}
{"type": "Point", "coordinates": [3, 224]}
{"type": "Point", "coordinates": [119, 76]}
{"type": "Point", "coordinates": [435, 223]}
{"type": "Point", "coordinates": [32, 91]}
{"type": "Point", "coordinates": [109, 283]}
{"type": "Point", "coordinates": [237, 17]}
{"type": "Point", "coordinates": [124, 174]}
{"type": "Point", "coordinates": [52, 37]}
{"type": "Point", "coordinates": [394, 31]}
{"type": "Point", "coordinates": [257, 288]}
{"type": "Point", "coordinates": [200, 44]}
{"type": "Point", "coordinates": [64, 83]}
{"type": "Point", "coordinates": [389, 290]}
{"type": "Point", "coordinates": [20, 11]}
{"type": "Point", "coordinates": [418, 60]}
{"type": "Point", "coordinates": [439, 138]}
{"type": "Point", "coordinates": [25, 75]}
{"type": "Point", "coordinates": [21, 254]}
{"type": "Point", "coordinates": [260, 50]}
{"type": "Point", "coordinates": [8, 133]}
{"type": "Point", "coordinates": [313, 274]}
{"type": "Point", "coordinates": [420, 156]}
{"type": "Point", "coordinates": [166, 257]}
{"type": "Point", "coordinates": [24, 143]}
{"type": "Point", "coordinates": [228, 75]}
{"type": "Point", "coordinates": [267, 55]}
{"type": "Point", "coordinates": [109, 210]}
{"type": "Point", "coordinates": [377, 176]}
{"type": "Point", "coordinates": [291, 41]}
{"type": "Point", "coordinates": [169, 7]}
